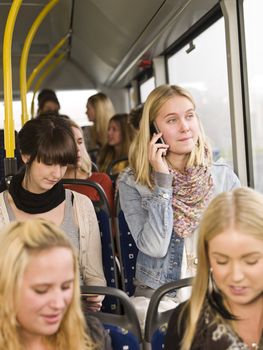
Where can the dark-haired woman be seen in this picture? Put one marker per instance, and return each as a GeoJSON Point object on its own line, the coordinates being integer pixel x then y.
{"type": "Point", "coordinates": [47, 146]}
{"type": "Point", "coordinates": [48, 102]}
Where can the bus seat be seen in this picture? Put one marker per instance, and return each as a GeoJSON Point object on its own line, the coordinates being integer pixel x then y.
{"type": "Point", "coordinates": [127, 250]}
{"type": "Point", "coordinates": [115, 167]}
{"type": "Point", "coordinates": [2, 169]}
{"type": "Point", "coordinates": [107, 242]}
{"type": "Point", "coordinates": [93, 153]}
{"type": "Point", "coordinates": [94, 167]}
{"type": "Point", "coordinates": [3, 153]}
{"type": "Point", "coordinates": [156, 322]}
{"type": "Point", "coordinates": [124, 329]}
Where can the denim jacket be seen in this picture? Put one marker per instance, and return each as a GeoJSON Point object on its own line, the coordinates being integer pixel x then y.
{"type": "Point", "coordinates": [149, 215]}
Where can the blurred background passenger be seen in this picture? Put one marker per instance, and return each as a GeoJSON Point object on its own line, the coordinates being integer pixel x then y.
{"type": "Point", "coordinates": [119, 137]}
{"type": "Point", "coordinates": [83, 168]}
{"type": "Point", "coordinates": [39, 290]}
{"type": "Point", "coordinates": [135, 116]}
{"type": "Point", "coordinates": [99, 111]}
{"type": "Point", "coordinates": [48, 102]}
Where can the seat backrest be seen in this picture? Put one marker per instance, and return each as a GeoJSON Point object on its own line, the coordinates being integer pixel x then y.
{"type": "Point", "coordinates": [94, 167]}
{"type": "Point", "coordinates": [156, 322]}
{"type": "Point", "coordinates": [93, 153]}
{"type": "Point", "coordinates": [107, 242]}
{"type": "Point", "coordinates": [111, 170]}
{"type": "Point", "coordinates": [2, 168]}
{"type": "Point", "coordinates": [3, 154]}
{"type": "Point", "coordinates": [124, 329]}
{"type": "Point", "coordinates": [126, 248]}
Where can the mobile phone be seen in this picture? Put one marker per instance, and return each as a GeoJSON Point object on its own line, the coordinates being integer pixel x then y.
{"type": "Point", "coordinates": [154, 130]}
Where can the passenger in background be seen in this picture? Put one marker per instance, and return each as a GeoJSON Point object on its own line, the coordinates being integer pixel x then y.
{"type": "Point", "coordinates": [119, 138]}
{"type": "Point", "coordinates": [99, 111]}
{"type": "Point", "coordinates": [83, 169]}
{"type": "Point", "coordinates": [39, 290]}
{"type": "Point", "coordinates": [225, 310]}
{"type": "Point", "coordinates": [48, 102]}
{"type": "Point", "coordinates": [166, 189]}
{"type": "Point", "coordinates": [47, 146]}
{"type": "Point", "coordinates": [135, 116]}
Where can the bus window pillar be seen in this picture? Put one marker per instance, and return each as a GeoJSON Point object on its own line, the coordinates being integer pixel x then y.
{"type": "Point", "coordinates": [241, 132]}
{"type": "Point", "coordinates": [159, 70]}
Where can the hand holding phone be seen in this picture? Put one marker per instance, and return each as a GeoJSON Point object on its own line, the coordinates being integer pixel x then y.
{"type": "Point", "coordinates": [154, 130]}
{"type": "Point", "coordinates": [157, 151]}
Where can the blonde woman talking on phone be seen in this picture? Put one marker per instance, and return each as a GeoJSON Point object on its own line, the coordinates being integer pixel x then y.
{"type": "Point", "coordinates": [167, 187]}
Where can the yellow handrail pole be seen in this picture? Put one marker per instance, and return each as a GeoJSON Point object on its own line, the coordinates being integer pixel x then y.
{"type": "Point", "coordinates": [45, 60]}
{"type": "Point", "coordinates": [43, 76]}
{"type": "Point", "coordinates": [9, 134]}
{"type": "Point", "coordinates": [24, 56]}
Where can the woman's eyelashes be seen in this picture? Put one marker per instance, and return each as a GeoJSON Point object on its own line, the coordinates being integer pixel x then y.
{"type": "Point", "coordinates": [221, 262]}
{"type": "Point", "coordinates": [174, 119]}
{"type": "Point", "coordinates": [43, 290]}
{"type": "Point", "coordinates": [248, 262]}
{"type": "Point", "coordinates": [190, 115]}
{"type": "Point", "coordinates": [252, 262]}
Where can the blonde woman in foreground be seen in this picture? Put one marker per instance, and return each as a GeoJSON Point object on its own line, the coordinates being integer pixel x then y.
{"type": "Point", "coordinates": [39, 290]}
{"type": "Point", "coordinates": [225, 310]}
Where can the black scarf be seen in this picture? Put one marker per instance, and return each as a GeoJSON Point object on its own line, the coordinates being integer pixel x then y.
{"type": "Point", "coordinates": [34, 203]}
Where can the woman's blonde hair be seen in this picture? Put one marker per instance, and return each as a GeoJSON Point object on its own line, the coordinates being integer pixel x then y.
{"type": "Point", "coordinates": [104, 110]}
{"type": "Point", "coordinates": [86, 164]}
{"type": "Point", "coordinates": [18, 241]}
{"type": "Point", "coordinates": [240, 209]}
{"type": "Point", "coordinates": [138, 155]}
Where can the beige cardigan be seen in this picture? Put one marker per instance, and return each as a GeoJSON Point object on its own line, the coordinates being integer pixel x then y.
{"type": "Point", "coordinates": [90, 254]}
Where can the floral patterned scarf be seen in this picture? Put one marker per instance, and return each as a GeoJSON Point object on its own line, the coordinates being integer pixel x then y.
{"type": "Point", "coordinates": [192, 191]}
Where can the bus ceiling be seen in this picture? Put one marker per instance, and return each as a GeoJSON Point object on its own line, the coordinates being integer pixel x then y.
{"type": "Point", "coordinates": [108, 38]}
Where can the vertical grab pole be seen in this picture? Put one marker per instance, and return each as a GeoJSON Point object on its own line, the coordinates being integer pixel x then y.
{"type": "Point", "coordinates": [24, 56]}
{"type": "Point", "coordinates": [9, 135]}
{"type": "Point", "coordinates": [48, 70]}
{"type": "Point", "coordinates": [44, 62]}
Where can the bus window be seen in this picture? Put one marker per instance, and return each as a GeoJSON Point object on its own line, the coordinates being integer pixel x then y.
{"type": "Point", "coordinates": [254, 50]}
{"type": "Point", "coordinates": [146, 87]}
{"type": "Point", "coordinates": [201, 68]}
{"type": "Point", "coordinates": [72, 103]}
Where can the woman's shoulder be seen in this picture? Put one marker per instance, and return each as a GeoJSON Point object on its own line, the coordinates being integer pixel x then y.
{"type": "Point", "coordinates": [224, 177]}
{"type": "Point", "coordinates": [3, 198]}
{"type": "Point", "coordinates": [127, 176]}
{"type": "Point", "coordinates": [221, 165]}
{"type": "Point", "coordinates": [4, 217]}
{"type": "Point", "coordinates": [80, 198]}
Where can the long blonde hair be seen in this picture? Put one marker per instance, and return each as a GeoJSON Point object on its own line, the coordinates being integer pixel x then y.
{"type": "Point", "coordinates": [104, 110]}
{"type": "Point", "coordinates": [18, 241]}
{"type": "Point", "coordinates": [240, 209]}
{"type": "Point", "coordinates": [138, 155]}
{"type": "Point", "coordinates": [86, 164]}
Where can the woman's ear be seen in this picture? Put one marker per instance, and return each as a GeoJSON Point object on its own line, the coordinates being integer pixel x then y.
{"type": "Point", "coordinates": [25, 158]}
